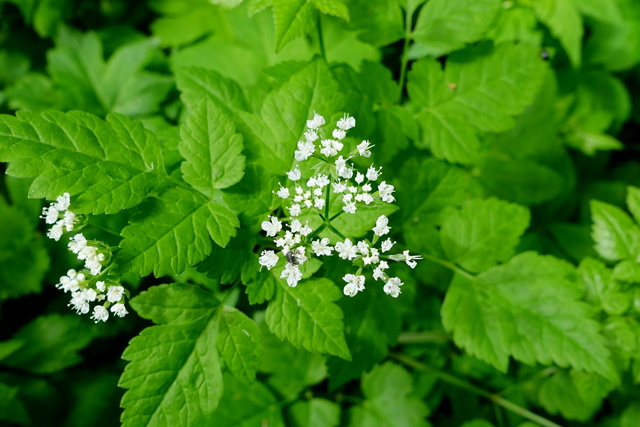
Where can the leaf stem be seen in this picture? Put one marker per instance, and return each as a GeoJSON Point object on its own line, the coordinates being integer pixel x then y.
{"type": "Point", "coordinates": [320, 39]}
{"type": "Point", "coordinates": [404, 61]}
{"type": "Point", "coordinates": [332, 228]}
{"type": "Point", "coordinates": [421, 337]}
{"type": "Point", "coordinates": [495, 398]}
{"type": "Point", "coordinates": [451, 266]}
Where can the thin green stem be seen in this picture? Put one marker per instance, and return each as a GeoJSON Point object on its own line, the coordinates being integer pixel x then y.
{"type": "Point", "coordinates": [335, 230]}
{"type": "Point", "coordinates": [451, 266]}
{"type": "Point", "coordinates": [336, 215]}
{"type": "Point", "coordinates": [99, 227]}
{"type": "Point", "coordinates": [404, 61]}
{"type": "Point", "coordinates": [455, 381]}
{"type": "Point", "coordinates": [316, 232]}
{"type": "Point", "coordinates": [320, 38]}
{"type": "Point", "coordinates": [421, 337]}
{"type": "Point", "coordinates": [327, 200]}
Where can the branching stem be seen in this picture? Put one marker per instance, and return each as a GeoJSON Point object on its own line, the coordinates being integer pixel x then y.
{"type": "Point", "coordinates": [451, 266]}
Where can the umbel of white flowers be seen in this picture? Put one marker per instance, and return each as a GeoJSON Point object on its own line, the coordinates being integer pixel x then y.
{"type": "Point", "coordinates": [334, 178]}
{"type": "Point", "coordinates": [84, 286]}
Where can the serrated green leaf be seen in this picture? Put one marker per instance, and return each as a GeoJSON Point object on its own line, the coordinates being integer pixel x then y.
{"type": "Point", "coordinates": [517, 23]}
{"type": "Point", "coordinates": [483, 233]}
{"type": "Point", "coordinates": [480, 90]}
{"type": "Point", "coordinates": [332, 7]}
{"type": "Point", "coordinates": [388, 389]}
{"type": "Point", "coordinates": [239, 343]}
{"type": "Point", "coordinates": [173, 232]}
{"type": "Point", "coordinates": [565, 23]}
{"type": "Point", "coordinates": [315, 412]}
{"type": "Point", "coordinates": [614, 232]}
{"type": "Point", "coordinates": [33, 92]}
{"type": "Point", "coordinates": [307, 317]}
{"type": "Point", "coordinates": [89, 83]}
{"type": "Point", "coordinates": [211, 148]}
{"type": "Point", "coordinates": [292, 19]}
{"type": "Point", "coordinates": [372, 324]}
{"type": "Point", "coordinates": [245, 406]}
{"type": "Point", "coordinates": [576, 395]}
{"type": "Point", "coordinates": [173, 376]}
{"type": "Point", "coordinates": [114, 164]}
{"type": "Point", "coordinates": [527, 308]}
{"type": "Point", "coordinates": [444, 26]}
{"type": "Point", "coordinates": [50, 344]}
{"type": "Point", "coordinates": [197, 83]}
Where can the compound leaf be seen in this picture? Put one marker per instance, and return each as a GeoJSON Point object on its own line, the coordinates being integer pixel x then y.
{"type": "Point", "coordinates": [114, 164]}
{"type": "Point", "coordinates": [528, 308]}
{"type": "Point", "coordinates": [173, 232]}
{"type": "Point", "coordinates": [616, 235]}
{"type": "Point", "coordinates": [239, 343]}
{"type": "Point", "coordinates": [307, 317]}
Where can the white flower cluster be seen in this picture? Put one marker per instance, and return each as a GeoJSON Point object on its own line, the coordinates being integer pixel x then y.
{"type": "Point", "coordinates": [84, 286]}
{"type": "Point", "coordinates": [335, 181]}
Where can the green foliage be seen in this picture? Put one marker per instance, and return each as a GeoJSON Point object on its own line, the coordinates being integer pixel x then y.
{"type": "Point", "coordinates": [507, 128]}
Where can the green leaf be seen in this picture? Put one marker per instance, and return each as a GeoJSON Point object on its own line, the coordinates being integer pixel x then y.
{"type": "Point", "coordinates": [444, 26]}
{"type": "Point", "coordinates": [602, 291]}
{"type": "Point", "coordinates": [565, 23]}
{"type": "Point", "coordinates": [173, 232]}
{"type": "Point", "coordinates": [173, 376]}
{"type": "Point", "coordinates": [480, 90]}
{"type": "Point", "coordinates": [372, 324]}
{"type": "Point", "coordinates": [389, 401]}
{"type": "Point", "coordinates": [50, 344]}
{"type": "Point", "coordinates": [528, 308]}
{"type": "Point", "coordinates": [307, 317]}
{"type": "Point", "coordinates": [378, 22]}
{"type": "Point", "coordinates": [633, 202]}
{"type": "Point", "coordinates": [113, 163]}
{"type": "Point", "coordinates": [483, 233]}
{"type": "Point", "coordinates": [614, 232]}
{"type": "Point", "coordinates": [516, 23]}
{"type": "Point", "coordinates": [478, 423]}
{"type": "Point", "coordinates": [33, 92]}
{"type": "Point", "coordinates": [590, 143]}
{"type": "Point", "coordinates": [11, 408]}
{"type": "Point", "coordinates": [315, 412]}
{"type": "Point", "coordinates": [120, 85]}
{"type": "Point", "coordinates": [239, 343]}
{"type": "Point", "coordinates": [576, 395]}
{"type": "Point", "coordinates": [245, 406]}
{"type": "Point", "coordinates": [616, 44]}
{"type": "Point", "coordinates": [211, 148]}
{"type": "Point", "coordinates": [606, 11]}
{"type": "Point", "coordinates": [196, 83]}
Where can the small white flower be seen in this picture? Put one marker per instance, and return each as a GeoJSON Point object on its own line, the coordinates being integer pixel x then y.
{"type": "Point", "coordinates": [387, 245]}
{"type": "Point", "coordinates": [292, 273]}
{"type": "Point", "coordinates": [392, 287]}
{"type": "Point", "coordinates": [347, 198]}
{"type": "Point", "coordinates": [319, 203]}
{"type": "Point", "coordinates": [318, 192]}
{"type": "Point", "coordinates": [77, 243]}
{"type": "Point", "coordinates": [346, 122]}
{"type": "Point", "coordinates": [306, 230]}
{"type": "Point", "coordinates": [100, 314]}
{"type": "Point", "coordinates": [69, 219]}
{"type": "Point", "coordinates": [283, 192]}
{"type": "Point", "coordinates": [364, 147]}
{"type": "Point", "coordinates": [63, 202]}
{"type": "Point", "coordinates": [272, 226]}
{"type": "Point", "coordinates": [354, 285]}
{"type": "Point", "coordinates": [50, 215]}
{"type": "Point", "coordinates": [350, 208]}
{"type": "Point", "coordinates": [78, 303]}
{"type": "Point", "coordinates": [269, 259]}
{"type": "Point", "coordinates": [88, 253]}
{"type": "Point", "coordinates": [331, 147]}
{"type": "Point", "coordinates": [316, 122]}
{"type": "Point", "coordinates": [310, 135]}
{"type": "Point", "coordinates": [385, 191]}
{"type": "Point", "coordinates": [304, 151]}
{"type": "Point", "coordinates": [409, 259]}
{"type": "Point", "coordinates": [295, 174]}
{"type": "Point", "coordinates": [373, 173]}
{"type": "Point", "coordinates": [365, 197]}
{"type": "Point", "coordinates": [366, 188]}
{"type": "Point", "coordinates": [342, 169]}
{"type": "Point", "coordinates": [322, 180]}
{"type": "Point", "coordinates": [114, 293]}
{"type": "Point", "coordinates": [347, 250]}
{"type": "Point", "coordinates": [378, 273]}
{"type": "Point", "coordinates": [119, 310]}
{"type": "Point", "coordinates": [339, 187]}
{"type": "Point", "coordinates": [100, 286]}
{"type": "Point", "coordinates": [339, 134]}
{"type": "Point", "coordinates": [295, 210]}
{"type": "Point", "coordinates": [55, 232]}
{"type": "Point", "coordinates": [295, 226]}
{"type": "Point", "coordinates": [359, 178]}
{"type": "Point", "coordinates": [321, 247]}
{"type": "Point", "coordinates": [381, 227]}
{"type": "Point", "coordinates": [372, 258]}
{"type": "Point", "coordinates": [363, 247]}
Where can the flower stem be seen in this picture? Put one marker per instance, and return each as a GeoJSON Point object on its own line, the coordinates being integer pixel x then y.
{"type": "Point", "coordinates": [451, 266]}
{"type": "Point", "coordinates": [421, 337]}
{"type": "Point", "coordinates": [320, 38]}
{"type": "Point", "coordinates": [403, 59]}
{"type": "Point", "coordinates": [495, 398]}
